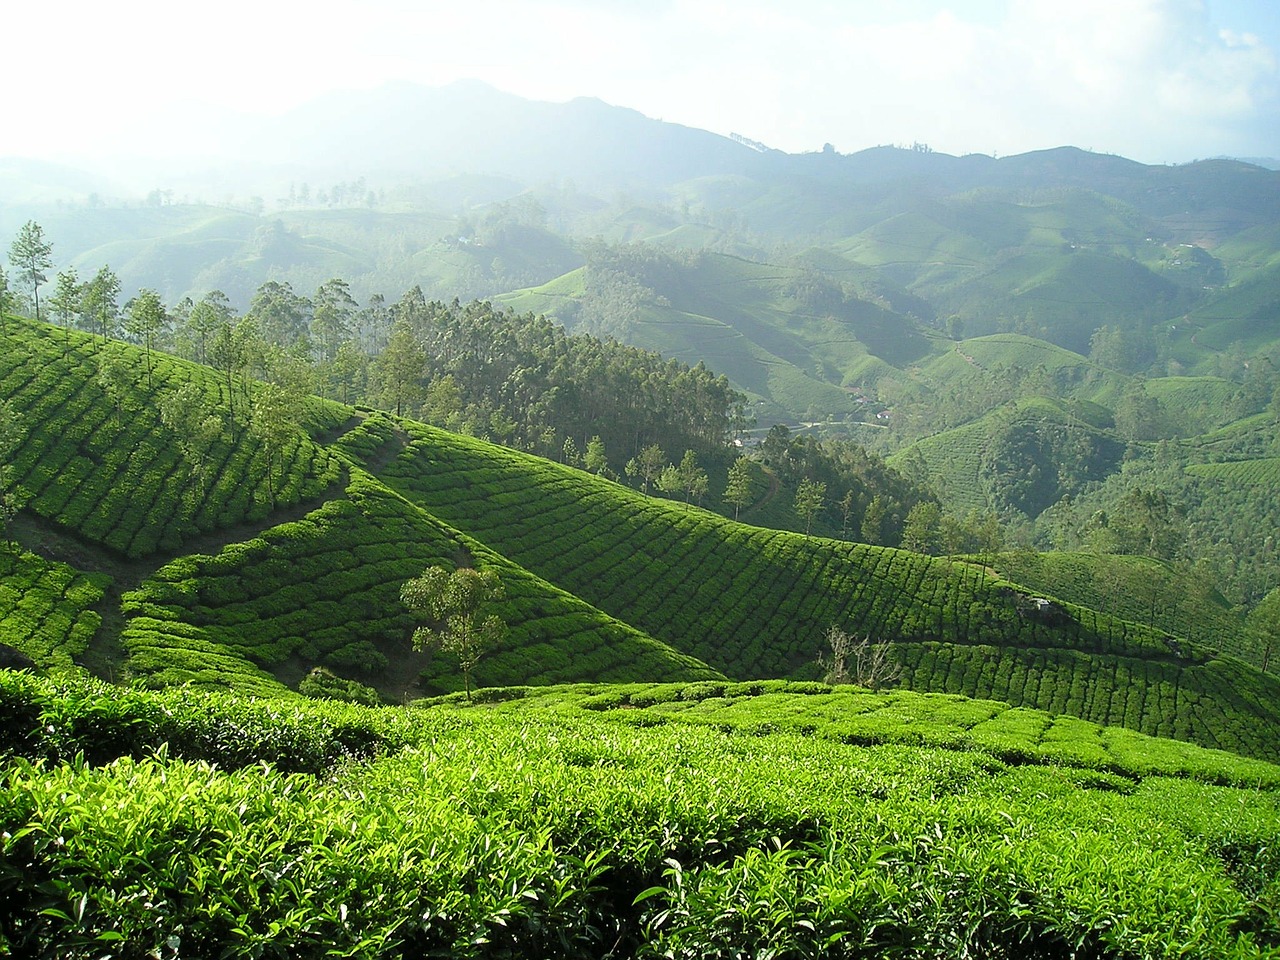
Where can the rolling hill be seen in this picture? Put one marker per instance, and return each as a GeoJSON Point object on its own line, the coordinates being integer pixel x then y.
{"type": "Point", "coordinates": [198, 578]}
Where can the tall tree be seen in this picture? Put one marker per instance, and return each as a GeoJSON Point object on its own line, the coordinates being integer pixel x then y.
{"type": "Point", "coordinates": [738, 489]}
{"type": "Point", "coordinates": [648, 465]}
{"type": "Point", "coordinates": [274, 421]}
{"type": "Point", "coordinates": [456, 606]}
{"type": "Point", "coordinates": [206, 316]}
{"type": "Point", "coordinates": [1264, 621]}
{"type": "Point", "coordinates": [399, 369]}
{"type": "Point", "coordinates": [99, 302]}
{"type": "Point", "coordinates": [811, 495]}
{"type": "Point", "coordinates": [922, 531]}
{"type": "Point", "coordinates": [195, 424]}
{"type": "Point", "coordinates": [333, 311]}
{"type": "Point", "coordinates": [115, 378]}
{"type": "Point", "coordinates": [596, 460]}
{"type": "Point", "coordinates": [66, 300]}
{"type": "Point", "coordinates": [282, 317]}
{"type": "Point", "coordinates": [693, 479]}
{"type": "Point", "coordinates": [145, 319]}
{"type": "Point", "coordinates": [31, 255]}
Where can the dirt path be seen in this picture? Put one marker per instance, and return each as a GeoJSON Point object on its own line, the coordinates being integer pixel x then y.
{"type": "Point", "coordinates": [46, 539]}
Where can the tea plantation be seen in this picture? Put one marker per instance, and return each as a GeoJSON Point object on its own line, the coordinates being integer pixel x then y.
{"type": "Point", "coordinates": [174, 560]}
{"type": "Point", "coordinates": [705, 820]}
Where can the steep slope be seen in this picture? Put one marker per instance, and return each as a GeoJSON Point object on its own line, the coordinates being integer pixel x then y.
{"type": "Point", "coordinates": [753, 603]}
{"type": "Point", "coordinates": [217, 586]}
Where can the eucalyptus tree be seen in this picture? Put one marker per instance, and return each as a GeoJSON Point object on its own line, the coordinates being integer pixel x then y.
{"type": "Point", "coordinates": [333, 313]}
{"type": "Point", "coordinates": [66, 300]}
{"type": "Point", "coordinates": [212, 310]}
{"type": "Point", "coordinates": [99, 302]}
{"type": "Point", "coordinates": [145, 319]}
{"type": "Point", "coordinates": [31, 255]}
{"type": "Point", "coordinates": [810, 497]}
{"type": "Point", "coordinates": [398, 370]}
{"type": "Point", "coordinates": [274, 421]}
{"type": "Point", "coordinates": [738, 489]}
{"type": "Point", "coordinates": [595, 460]}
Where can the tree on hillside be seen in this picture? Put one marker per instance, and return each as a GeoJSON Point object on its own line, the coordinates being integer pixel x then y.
{"type": "Point", "coordinates": [99, 302]}
{"type": "Point", "coordinates": [273, 421]}
{"type": "Point", "coordinates": [145, 319]}
{"type": "Point", "coordinates": [871, 530]}
{"type": "Point", "coordinates": [398, 370]}
{"type": "Point", "coordinates": [738, 489]}
{"type": "Point", "coordinates": [196, 426]}
{"type": "Point", "coordinates": [1146, 524]}
{"type": "Point", "coordinates": [595, 460]}
{"type": "Point", "coordinates": [282, 317]}
{"type": "Point", "coordinates": [331, 322]}
{"type": "Point", "coordinates": [456, 606]}
{"type": "Point", "coordinates": [648, 465]}
{"type": "Point", "coordinates": [114, 378]}
{"type": "Point", "coordinates": [849, 659]}
{"type": "Point", "coordinates": [921, 533]}
{"type": "Point", "coordinates": [693, 479]}
{"type": "Point", "coordinates": [810, 497]}
{"type": "Point", "coordinates": [1264, 621]}
{"type": "Point", "coordinates": [206, 316]}
{"type": "Point", "coordinates": [31, 255]}
{"type": "Point", "coordinates": [569, 453]}
{"type": "Point", "coordinates": [66, 300]}
{"type": "Point", "coordinates": [668, 481]}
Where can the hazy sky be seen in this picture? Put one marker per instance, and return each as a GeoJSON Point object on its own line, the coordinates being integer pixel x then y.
{"type": "Point", "coordinates": [1155, 80]}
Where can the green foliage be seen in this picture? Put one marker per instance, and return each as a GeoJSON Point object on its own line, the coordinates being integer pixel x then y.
{"type": "Point", "coordinates": [324, 684]}
{"type": "Point", "coordinates": [47, 608]}
{"type": "Point", "coordinates": [761, 600]}
{"type": "Point", "coordinates": [327, 588]}
{"type": "Point", "coordinates": [706, 824]}
{"type": "Point", "coordinates": [113, 478]}
{"type": "Point", "coordinates": [457, 605]}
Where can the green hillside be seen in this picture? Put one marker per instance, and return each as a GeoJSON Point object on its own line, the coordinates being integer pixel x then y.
{"type": "Point", "coordinates": [208, 581]}
{"type": "Point", "coordinates": [1138, 589]}
{"type": "Point", "coordinates": [782, 334]}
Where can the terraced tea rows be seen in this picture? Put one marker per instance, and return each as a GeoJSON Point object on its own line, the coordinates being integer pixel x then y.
{"type": "Point", "coordinates": [114, 475]}
{"type": "Point", "coordinates": [45, 608]}
{"type": "Point", "coordinates": [760, 600]}
{"type": "Point", "coordinates": [326, 589]}
{"type": "Point", "coordinates": [1263, 472]}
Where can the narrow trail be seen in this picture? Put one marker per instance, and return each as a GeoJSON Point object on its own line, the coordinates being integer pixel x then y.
{"type": "Point", "coordinates": [46, 539]}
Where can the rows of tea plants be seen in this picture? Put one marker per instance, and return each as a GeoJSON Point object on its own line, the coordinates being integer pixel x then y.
{"type": "Point", "coordinates": [1221, 703]}
{"type": "Point", "coordinates": [753, 602]}
{"type": "Point", "coordinates": [1138, 589]}
{"type": "Point", "coordinates": [490, 834]}
{"type": "Point", "coordinates": [115, 475]}
{"type": "Point", "coordinates": [1263, 472]}
{"type": "Point", "coordinates": [1016, 734]}
{"type": "Point", "coordinates": [749, 601]}
{"type": "Point", "coordinates": [46, 608]}
{"type": "Point", "coordinates": [326, 589]}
